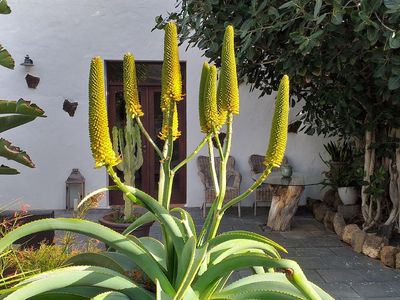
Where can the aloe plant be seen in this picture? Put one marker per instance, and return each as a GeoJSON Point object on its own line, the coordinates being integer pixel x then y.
{"type": "Point", "coordinates": [16, 113]}
{"type": "Point", "coordinates": [185, 265]}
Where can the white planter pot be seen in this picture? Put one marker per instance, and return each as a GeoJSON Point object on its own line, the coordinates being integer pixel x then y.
{"type": "Point", "coordinates": [348, 195]}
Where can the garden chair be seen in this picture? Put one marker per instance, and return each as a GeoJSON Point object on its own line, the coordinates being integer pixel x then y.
{"type": "Point", "coordinates": [233, 181]}
{"type": "Point", "coordinates": [265, 192]}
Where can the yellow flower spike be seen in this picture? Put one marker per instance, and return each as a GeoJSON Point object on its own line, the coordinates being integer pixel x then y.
{"type": "Point", "coordinates": [279, 129]}
{"type": "Point", "coordinates": [163, 135]}
{"type": "Point", "coordinates": [229, 90]}
{"type": "Point", "coordinates": [171, 79]}
{"type": "Point", "coordinates": [203, 80]}
{"type": "Point", "coordinates": [100, 142]}
{"type": "Point", "coordinates": [210, 100]}
{"type": "Point", "coordinates": [131, 94]}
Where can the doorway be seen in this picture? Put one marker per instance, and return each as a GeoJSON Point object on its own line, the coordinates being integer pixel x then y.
{"type": "Point", "coordinates": [149, 85]}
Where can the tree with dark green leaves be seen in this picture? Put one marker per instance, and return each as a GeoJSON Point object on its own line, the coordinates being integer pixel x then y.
{"type": "Point", "coordinates": [15, 114]}
{"type": "Point", "coordinates": [343, 58]}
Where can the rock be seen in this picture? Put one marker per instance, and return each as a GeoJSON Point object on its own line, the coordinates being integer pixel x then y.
{"type": "Point", "coordinates": [349, 212]}
{"type": "Point", "coordinates": [337, 202]}
{"type": "Point", "coordinates": [348, 232]}
{"type": "Point", "coordinates": [385, 231]}
{"type": "Point", "coordinates": [339, 224]}
{"type": "Point", "coordinates": [319, 211]}
{"type": "Point", "coordinates": [398, 260]}
{"type": "Point", "coordinates": [328, 219]}
{"type": "Point", "coordinates": [329, 198]}
{"type": "Point", "coordinates": [373, 245]}
{"type": "Point", "coordinates": [357, 240]}
{"type": "Point", "coordinates": [388, 255]}
{"type": "Point", "coordinates": [311, 202]}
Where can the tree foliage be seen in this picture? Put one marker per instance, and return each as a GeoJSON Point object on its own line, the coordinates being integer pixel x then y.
{"type": "Point", "coordinates": [343, 57]}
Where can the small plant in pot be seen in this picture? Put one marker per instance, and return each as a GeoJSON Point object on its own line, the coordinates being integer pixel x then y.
{"type": "Point", "coordinates": [345, 171]}
{"type": "Point", "coordinates": [128, 143]}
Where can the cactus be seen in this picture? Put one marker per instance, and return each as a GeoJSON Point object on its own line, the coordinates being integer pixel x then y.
{"type": "Point", "coordinates": [127, 141]}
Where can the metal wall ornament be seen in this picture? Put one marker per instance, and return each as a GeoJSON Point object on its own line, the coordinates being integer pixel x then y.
{"type": "Point", "coordinates": [28, 62]}
{"type": "Point", "coordinates": [70, 107]}
{"type": "Point", "coordinates": [32, 81]}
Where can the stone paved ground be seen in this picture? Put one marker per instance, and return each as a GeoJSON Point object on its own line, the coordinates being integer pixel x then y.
{"type": "Point", "coordinates": [326, 261]}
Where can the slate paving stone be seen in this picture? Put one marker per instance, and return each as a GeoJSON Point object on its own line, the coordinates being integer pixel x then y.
{"type": "Point", "coordinates": [375, 289]}
{"type": "Point", "coordinates": [340, 275]}
{"type": "Point", "coordinates": [339, 290]}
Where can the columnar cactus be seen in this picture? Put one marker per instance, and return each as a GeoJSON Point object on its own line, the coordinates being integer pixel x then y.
{"type": "Point", "coordinates": [128, 142]}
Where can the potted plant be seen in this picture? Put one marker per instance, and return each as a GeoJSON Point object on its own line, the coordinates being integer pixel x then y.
{"type": "Point", "coordinates": [345, 171]}
{"type": "Point", "coordinates": [185, 265]}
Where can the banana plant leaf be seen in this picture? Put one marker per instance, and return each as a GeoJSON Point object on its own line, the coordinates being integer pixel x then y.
{"type": "Point", "coordinates": [18, 113]}
{"type": "Point", "coordinates": [5, 57]}
{"type": "Point", "coordinates": [4, 170]}
{"type": "Point", "coordinates": [21, 107]}
{"type": "Point", "coordinates": [15, 153]}
{"type": "Point", "coordinates": [4, 8]}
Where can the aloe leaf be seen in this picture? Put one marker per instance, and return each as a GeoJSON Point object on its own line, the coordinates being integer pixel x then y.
{"type": "Point", "coordinates": [4, 8]}
{"type": "Point", "coordinates": [228, 248]}
{"type": "Point", "coordinates": [12, 152]}
{"type": "Point", "coordinates": [5, 170]}
{"type": "Point", "coordinates": [21, 107]}
{"type": "Point", "coordinates": [78, 276]}
{"type": "Point", "coordinates": [240, 234]}
{"type": "Point", "coordinates": [111, 296]}
{"type": "Point", "coordinates": [96, 259]}
{"type": "Point", "coordinates": [73, 293]}
{"type": "Point", "coordinates": [96, 192]}
{"type": "Point", "coordinates": [239, 261]}
{"type": "Point", "coordinates": [123, 260]}
{"type": "Point", "coordinates": [262, 290]}
{"type": "Point", "coordinates": [143, 219]}
{"type": "Point", "coordinates": [187, 221]}
{"type": "Point", "coordinates": [162, 214]}
{"type": "Point", "coordinates": [156, 249]}
{"type": "Point", "coordinates": [134, 249]}
{"type": "Point", "coordinates": [185, 260]}
{"type": "Point", "coordinates": [195, 261]}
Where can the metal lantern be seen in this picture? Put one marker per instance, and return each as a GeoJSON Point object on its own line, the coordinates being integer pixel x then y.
{"type": "Point", "coordinates": [75, 189]}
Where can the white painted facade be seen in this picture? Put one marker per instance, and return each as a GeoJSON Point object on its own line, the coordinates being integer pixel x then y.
{"type": "Point", "coordinates": [61, 37]}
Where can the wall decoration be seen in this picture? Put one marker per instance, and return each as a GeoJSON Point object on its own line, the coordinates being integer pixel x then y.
{"type": "Point", "coordinates": [70, 107]}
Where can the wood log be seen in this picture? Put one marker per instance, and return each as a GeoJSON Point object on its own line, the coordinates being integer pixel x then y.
{"type": "Point", "coordinates": [283, 207]}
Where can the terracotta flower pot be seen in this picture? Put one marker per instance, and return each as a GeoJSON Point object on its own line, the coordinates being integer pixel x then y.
{"type": "Point", "coordinates": [107, 220]}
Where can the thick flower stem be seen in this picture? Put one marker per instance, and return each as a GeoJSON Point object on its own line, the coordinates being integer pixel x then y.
{"type": "Point", "coordinates": [193, 154]}
{"type": "Point", "coordinates": [251, 189]}
{"type": "Point", "coordinates": [222, 181]}
{"type": "Point", "coordinates": [148, 137]}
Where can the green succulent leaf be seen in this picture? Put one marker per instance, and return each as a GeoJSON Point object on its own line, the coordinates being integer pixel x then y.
{"type": "Point", "coordinates": [143, 219]}
{"type": "Point", "coordinates": [96, 259]}
{"type": "Point", "coordinates": [187, 221]}
{"type": "Point", "coordinates": [70, 293]}
{"type": "Point", "coordinates": [156, 249]}
{"type": "Point", "coordinates": [192, 261]}
{"type": "Point", "coordinates": [111, 296]}
{"type": "Point", "coordinates": [14, 153]}
{"type": "Point", "coordinates": [132, 248]}
{"type": "Point", "coordinates": [78, 276]}
{"type": "Point", "coordinates": [246, 235]}
{"type": "Point", "coordinates": [21, 107]}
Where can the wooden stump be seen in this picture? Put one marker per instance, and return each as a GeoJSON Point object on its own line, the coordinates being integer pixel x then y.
{"type": "Point", "coordinates": [283, 207]}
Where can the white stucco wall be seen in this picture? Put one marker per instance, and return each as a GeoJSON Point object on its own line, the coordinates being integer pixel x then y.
{"type": "Point", "coordinates": [61, 36]}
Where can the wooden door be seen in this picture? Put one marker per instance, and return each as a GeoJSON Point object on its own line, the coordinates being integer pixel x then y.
{"type": "Point", "coordinates": [148, 175]}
